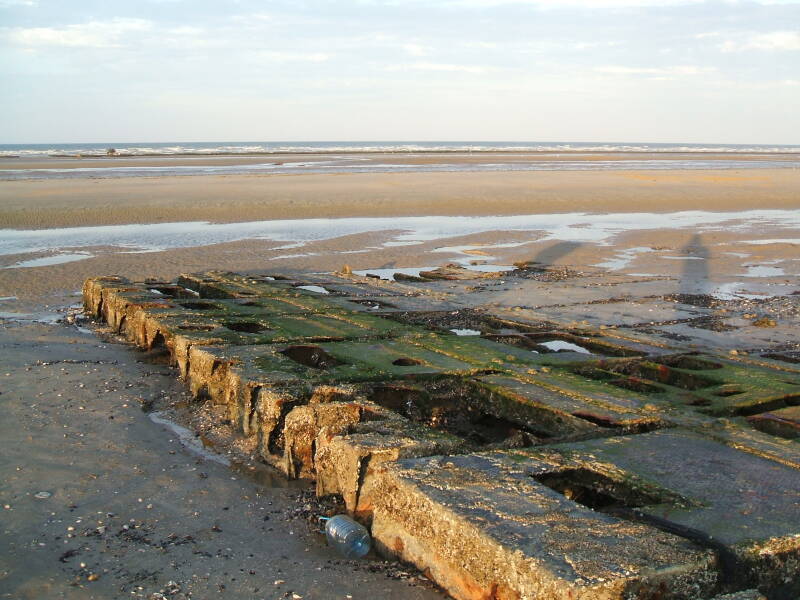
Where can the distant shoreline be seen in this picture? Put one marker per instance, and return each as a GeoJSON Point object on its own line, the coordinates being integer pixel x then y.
{"type": "Point", "coordinates": [575, 151]}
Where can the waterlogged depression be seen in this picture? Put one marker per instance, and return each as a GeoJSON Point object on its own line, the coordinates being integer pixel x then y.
{"type": "Point", "coordinates": [574, 227]}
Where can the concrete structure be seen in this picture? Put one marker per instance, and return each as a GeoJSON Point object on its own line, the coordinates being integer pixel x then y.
{"type": "Point", "coordinates": [539, 459]}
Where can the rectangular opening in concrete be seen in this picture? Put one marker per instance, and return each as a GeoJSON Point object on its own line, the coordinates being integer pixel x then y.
{"type": "Point", "coordinates": [198, 305]}
{"type": "Point", "coordinates": [631, 382]}
{"type": "Point", "coordinates": [246, 326]}
{"type": "Point", "coordinates": [636, 384]}
{"type": "Point", "coordinates": [171, 291]}
{"type": "Point", "coordinates": [784, 422]}
{"type": "Point", "coordinates": [599, 420]}
{"type": "Point", "coordinates": [787, 357]}
{"type": "Point", "coordinates": [661, 373]}
{"type": "Point", "coordinates": [311, 356]}
{"type": "Point", "coordinates": [559, 341]}
{"type": "Point", "coordinates": [598, 491]}
{"type": "Point", "coordinates": [466, 318]}
{"type": "Point", "coordinates": [450, 411]}
{"type": "Point", "coordinates": [371, 304]}
{"type": "Point", "coordinates": [688, 362]}
{"type": "Point", "coordinates": [767, 405]}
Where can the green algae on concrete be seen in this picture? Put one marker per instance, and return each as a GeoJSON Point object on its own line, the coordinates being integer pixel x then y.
{"type": "Point", "coordinates": [524, 472]}
{"type": "Point", "coordinates": [572, 414]}
{"type": "Point", "coordinates": [747, 502]}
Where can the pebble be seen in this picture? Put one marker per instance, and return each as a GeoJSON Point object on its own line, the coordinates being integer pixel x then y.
{"type": "Point", "coordinates": [42, 495]}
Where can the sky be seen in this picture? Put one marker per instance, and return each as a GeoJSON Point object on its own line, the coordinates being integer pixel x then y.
{"type": "Point", "coordinates": [692, 71]}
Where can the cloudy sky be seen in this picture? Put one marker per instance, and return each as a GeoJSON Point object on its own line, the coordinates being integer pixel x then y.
{"type": "Point", "coordinates": [518, 70]}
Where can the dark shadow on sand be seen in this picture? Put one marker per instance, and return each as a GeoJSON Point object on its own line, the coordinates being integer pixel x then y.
{"type": "Point", "coordinates": [694, 278]}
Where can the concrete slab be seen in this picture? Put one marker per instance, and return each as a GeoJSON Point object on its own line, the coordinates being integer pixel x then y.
{"type": "Point", "coordinates": [577, 450]}
{"type": "Point", "coordinates": [482, 527]}
{"type": "Point", "coordinates": [749, 503]}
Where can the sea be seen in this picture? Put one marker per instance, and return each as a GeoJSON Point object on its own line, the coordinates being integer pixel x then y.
{"type": "Point", "coordinates": [365, 157]}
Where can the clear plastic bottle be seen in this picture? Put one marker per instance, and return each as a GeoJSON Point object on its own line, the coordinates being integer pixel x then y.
{"type": "Point", "coordinates": [351, 539]}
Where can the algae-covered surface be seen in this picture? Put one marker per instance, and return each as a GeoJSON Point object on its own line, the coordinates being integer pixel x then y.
{"type": "Point", "coordinates": [533, 458]}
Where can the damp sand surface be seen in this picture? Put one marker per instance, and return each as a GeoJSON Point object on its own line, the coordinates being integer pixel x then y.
{"type": "Point", "coordinates": [716, 247]}
{"type": "Point", "coordinates": [100, 501]}
{"type": "Point", "coordinates": [34, 204]}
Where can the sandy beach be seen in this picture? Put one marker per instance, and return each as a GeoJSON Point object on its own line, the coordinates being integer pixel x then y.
{"type": "Point", "coordinates": [626, 232]}
{"type": "Point", "coordinates": [43, 204]}
{"type": "Point", "coordinates": [72, 203]}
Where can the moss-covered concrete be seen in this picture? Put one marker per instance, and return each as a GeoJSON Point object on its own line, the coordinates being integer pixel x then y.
{"type": "Point", "coordinates": [535, 461]}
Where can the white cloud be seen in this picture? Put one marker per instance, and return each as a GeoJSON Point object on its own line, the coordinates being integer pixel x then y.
{"type": "Point", "coordinates": [93, 34]}
{"type": "Point", "coordinates": [599, 4]}
{"type": "Point", "coordinates": [186, 30]}
{"type": "Point", "coordinates": [415, 49]}
{"type": "Point", "coordinates": [559, 4]}
{"type": "Point", "coordinates": [8, 3]}
{"type": "Point", "coordinates": [252, 18]}
{"type": "Point", "coordinates": [773, 41]}
{"type": "Point", "coordinates": [292, 56]}
{"type": "Point", "coordinates": [673, 71]}
{"type": "Point", "coordinates": [427, 66]}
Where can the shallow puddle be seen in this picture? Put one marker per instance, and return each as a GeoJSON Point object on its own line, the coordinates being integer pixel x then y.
{"type": "Point", "coordinates": [762, 271]}
{"type": "Point", "coordinates": [313, 288]}
{"type": "Point", "coordinates": [46, 261]}
{"type": "Point", "coordinates": [188, 439]}
{"type": "Point", "coordinates": [388, 274]}
{"type": "Point", "coordinates": [560, 346]}
{"type": "Point", "coordinates": [576, 227]}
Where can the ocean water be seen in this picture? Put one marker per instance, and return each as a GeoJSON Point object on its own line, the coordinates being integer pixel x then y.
{"type": "Point", "coordinates": [345, 165]}
{"type": "Point", "coordinates": [364, 157]}
{"type": "Point", "coordinates": [216, 148]}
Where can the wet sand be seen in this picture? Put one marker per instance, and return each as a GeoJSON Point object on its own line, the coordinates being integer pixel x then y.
{"type": "Point", "coordinates": [127, 511]}
{"type": "Point", "coordinates": [70, 203]}
{"type": "Point", "coordinates": [398, 158]}
{"type": "Point", "coordinates": [725, 255]}
{"type": "Point", "coordinates": [74, 427]}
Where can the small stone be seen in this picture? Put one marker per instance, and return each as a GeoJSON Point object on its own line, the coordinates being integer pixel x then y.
{"type": "Point", "coordinates": [765, 322]}
{"type": "Point", "coordinates": [279, 582]}
{"type": "Point", "coordinates": [93, 577]}
{"type": "Point", "coordinates": [42, 495]}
